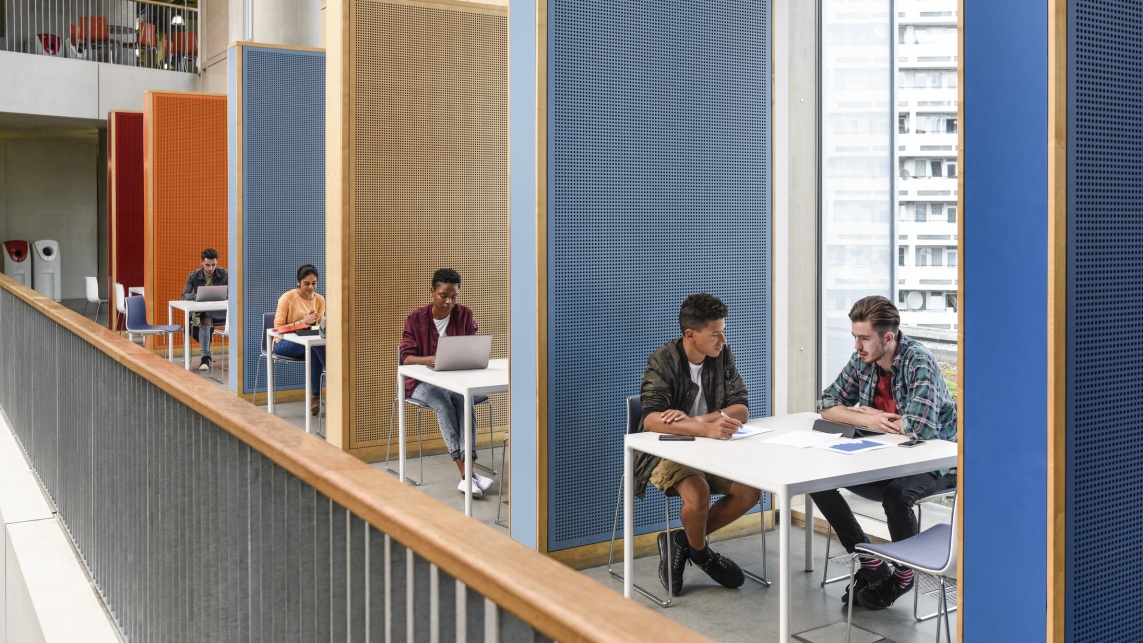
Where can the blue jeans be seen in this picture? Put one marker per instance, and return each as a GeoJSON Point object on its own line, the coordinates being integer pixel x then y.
{"type": "Point", "coordinates": [449, 409]}
{"type": "Point", "coordinates": [286, 348]}
{"type": "Point", "coordinates": [206, 331]}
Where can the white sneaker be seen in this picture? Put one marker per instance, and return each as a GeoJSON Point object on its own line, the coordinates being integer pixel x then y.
{"type": "Point", "coordinates": [481, 481]}
{"type": "Point", "coordinates": [476, 490]}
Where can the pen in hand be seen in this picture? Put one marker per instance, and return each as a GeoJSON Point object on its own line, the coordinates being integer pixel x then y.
{"type": "Point", "coordinates": [728, 417]}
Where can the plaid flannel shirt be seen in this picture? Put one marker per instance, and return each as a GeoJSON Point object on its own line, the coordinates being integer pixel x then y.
{"type": "Point", "coordinates": [923, 401]}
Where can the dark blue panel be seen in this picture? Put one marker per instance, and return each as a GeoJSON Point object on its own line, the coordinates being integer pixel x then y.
{"type": "Point", "coordinates": [658, 188]}
{"type": "Point", "coordinates": [1105, 327]}
{"type": "Point", "coordinates": [1005, 318]}
{"type": "Point", "coordinates": [283, 188]}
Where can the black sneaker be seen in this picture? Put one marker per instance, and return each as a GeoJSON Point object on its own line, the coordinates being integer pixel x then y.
{"type": "Point", "coordinates": [883, 593]}
{"type": "Point", "coordinates": [724, 571]}
{"type": "Point", "coordinates": [678, 562]}
{"type": "Point", "coordinates": [866, 577]}
{"type": "Point", "coordinates": [204, 365]}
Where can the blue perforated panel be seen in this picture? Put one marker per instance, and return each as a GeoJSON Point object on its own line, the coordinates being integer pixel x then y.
{"type": "Point", "coordinates": [283, 188]}
{"type": "Point", "coordinates": [1105, 327]}
{"type": "Point", "coordinates": [658, 188]}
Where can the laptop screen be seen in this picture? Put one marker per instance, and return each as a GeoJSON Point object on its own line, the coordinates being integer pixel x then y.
{"type": "Point", "coordinates": [211, 293]}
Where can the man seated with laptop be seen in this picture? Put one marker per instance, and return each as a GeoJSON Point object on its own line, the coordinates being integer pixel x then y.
{"type": "Point", "coordinates": [894, 385]}
{"type": "Point", "coordinates": [425, 327]}
{"type": "Point", "coordinates": [692, 388]}
{"type": "Point", "coordinates": [208, 275]}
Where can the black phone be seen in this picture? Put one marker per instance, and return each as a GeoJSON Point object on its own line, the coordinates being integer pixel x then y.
{"type": "Point", "coordinates": [669, 437]}
{"type": "Point", "coordinates": [911, 443]}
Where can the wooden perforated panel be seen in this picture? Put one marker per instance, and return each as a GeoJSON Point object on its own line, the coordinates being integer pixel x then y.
{"type": "Point", "coordinates": [125, 203]}
{"type": "Point", "coordinates": [185, 186]}
{"type": "Point", "coordinates": [429, 187]}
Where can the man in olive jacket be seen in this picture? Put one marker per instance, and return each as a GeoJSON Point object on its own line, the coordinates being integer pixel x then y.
{"type": "Point", "coordinates": [691, 387]}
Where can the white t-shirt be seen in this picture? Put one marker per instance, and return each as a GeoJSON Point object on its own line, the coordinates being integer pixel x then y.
{"type": "Point", "coordinates": [442, 324]}
{"type": "Point", "coordinates": [699, 407]}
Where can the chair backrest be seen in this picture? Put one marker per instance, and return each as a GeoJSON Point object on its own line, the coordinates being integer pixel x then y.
{"type": "Point", "coordinates": [182, 43]}
{"type": "Point", "coordinates": [136, 312]}
{"type": "Point", "coordinates": [92, 289]}
{"type": "Point", "coordinates": [267, 324]}
{"type": "Point", "coordinates": [950, 566]}
{"type": "Point", "coordinates": [120, 295]}
{"type": "Point", "coordinates": [634, 413]}
{"type": "Point", "coordinates": [147, 35]}
{"type": "Point", "coordinates": [94, 28]}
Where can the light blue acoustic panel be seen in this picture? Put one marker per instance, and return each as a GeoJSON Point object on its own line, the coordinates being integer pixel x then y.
{"type": "Point", "coordinates": [1105, 322]}
{"type": "Point", "coordinates": [283, 188]}
{"type": "Point", "coordinates": [658, 187]}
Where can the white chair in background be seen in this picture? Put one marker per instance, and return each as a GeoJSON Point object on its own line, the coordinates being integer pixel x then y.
{"type": "Point", "coordinates": [93, 296]}
{"type": "Point", "coordinates": [120, 307]}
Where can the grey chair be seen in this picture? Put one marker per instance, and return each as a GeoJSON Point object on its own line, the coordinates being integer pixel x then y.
{"type": "Point", "coordinates": [932, 552]}
{"type": "Point", "coordinates": [477, 400]}
{"type": "Point", "coordinates": [266, 349]}
{"type": "Point", "coordinates": [875, 493]}
{"type": "Point", "coordinates": [634, 410]}
{"type": "Point", "coordinates": [137, 320]}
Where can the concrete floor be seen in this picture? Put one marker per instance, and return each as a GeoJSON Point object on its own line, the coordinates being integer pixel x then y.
{"type": "Point", "coordinates": [745, 614]}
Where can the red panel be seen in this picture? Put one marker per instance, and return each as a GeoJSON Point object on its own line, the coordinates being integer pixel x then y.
{"type": "Point", "coordinates": [125, 208]}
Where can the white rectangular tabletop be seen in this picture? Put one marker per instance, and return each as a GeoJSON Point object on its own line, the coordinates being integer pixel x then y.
{"type": "Point", "coordinates": [784, 470]}
{"type": "Point", "coordinates": [188, 307]}
{"type": "Point", "coordinates": [469, 383]}
{"type": "Point", "coordinates": [309, 341]}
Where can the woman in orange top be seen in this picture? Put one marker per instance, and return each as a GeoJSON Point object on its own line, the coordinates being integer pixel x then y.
{"type": "Point", "coordinates": [301, 308]}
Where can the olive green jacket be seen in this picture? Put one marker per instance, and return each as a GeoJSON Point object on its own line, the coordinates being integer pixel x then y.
{"type": "Point", "coordinates": [667, 385]}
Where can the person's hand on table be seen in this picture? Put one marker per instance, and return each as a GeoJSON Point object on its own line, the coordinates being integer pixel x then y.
{"type": "Point", "coordinates": [878, 419]}
{"type": "Point", "coordinates": [671, 416]}
{"type": "Point", "coordinates": [723, 427]}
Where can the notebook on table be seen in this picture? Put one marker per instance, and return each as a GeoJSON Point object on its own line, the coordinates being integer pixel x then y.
{"type": "Point", "coordinates": [210, 293]}
{"type": "Point", "coordinates": [463, 352]}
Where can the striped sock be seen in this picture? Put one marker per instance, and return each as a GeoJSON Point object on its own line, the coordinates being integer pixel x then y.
{"type": "Point", "coordinates": [868, 562]}
{"type": "Point", "coordinates": [903, 576]}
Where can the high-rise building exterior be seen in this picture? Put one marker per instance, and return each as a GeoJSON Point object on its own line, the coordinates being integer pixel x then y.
{"type": "Point", "coordinates": [925, 229]}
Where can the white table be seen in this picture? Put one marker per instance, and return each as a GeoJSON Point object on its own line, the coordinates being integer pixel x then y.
{"type": "Point", "coordinates": [308, 341]}
{"type": "Point", "coordinates": [136, 290]}
{"type": "Point", "coordinates": [485, 381]}
{"type": "Point", "coordinates": [188, 307]}
{"type": "Point", "coordinates": [783, 470]}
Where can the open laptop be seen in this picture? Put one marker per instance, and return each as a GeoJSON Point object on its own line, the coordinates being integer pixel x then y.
{"type": "Point", "coordinates": [463, 352]}
{"type": "Point", "coordinates": [846, 430]}
{"type": "Point", "coordinates": [210, 293]}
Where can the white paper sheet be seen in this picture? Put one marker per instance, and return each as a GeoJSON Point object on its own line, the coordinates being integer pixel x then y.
{"type": "Point", "coordinates": [748, 430]}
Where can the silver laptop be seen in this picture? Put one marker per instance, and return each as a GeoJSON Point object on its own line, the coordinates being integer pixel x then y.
{"type": "Point", "coordinates": [210, 293]}
{"type": "Point", "coordinates": [463, 352]}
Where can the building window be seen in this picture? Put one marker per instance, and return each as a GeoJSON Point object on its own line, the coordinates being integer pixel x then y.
{"type": "Point", "coordinates": [901, 250]}
{"type": "Point", "coordinates": [951, 301]}
{"type": "Point", "coordinates": [920, 214]}
{"type": "Point", "coordinates": [951, 213]}
{"type": "Point", "coordinates": [950, 257]}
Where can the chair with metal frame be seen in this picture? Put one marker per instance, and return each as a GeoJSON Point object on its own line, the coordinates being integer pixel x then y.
{"type": "Point", "coordinates": [931, 552]}
{"type": "Point", "coordinates": [506, 482]}
{"type": "Point", "coordinates": [120, 307]}
{"type": "Point", "coordinates": [93, 296]}
{"type": "Point", "coordinates": [224, 333]}
{"type": "Point", "coordinates": [875, 493]}
{"type": "Point", "coordinates": [477, 400]}
{"type": "Point", "coordinates": [634, 409]}
{"type": "Point", "coordinates": [137, 320]}
{"type": "Point", "coordinates": [268, 324]}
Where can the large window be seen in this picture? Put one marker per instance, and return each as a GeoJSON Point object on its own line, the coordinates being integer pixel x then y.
{"type": "Point", "coordinates": [889, 145]}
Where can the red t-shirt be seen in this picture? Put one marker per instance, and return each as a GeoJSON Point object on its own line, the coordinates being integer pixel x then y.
{"type": "Point", "coordinates": [883, 396]}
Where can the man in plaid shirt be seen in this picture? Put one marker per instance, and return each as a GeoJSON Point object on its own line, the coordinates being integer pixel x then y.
{"type": "Point", "coordinates": [892, 384]}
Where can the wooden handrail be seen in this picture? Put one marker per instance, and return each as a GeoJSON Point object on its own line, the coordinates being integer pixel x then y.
{"type": "Point", "coordinates": [563, 604]}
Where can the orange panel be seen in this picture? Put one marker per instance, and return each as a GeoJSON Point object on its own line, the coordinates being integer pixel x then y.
{"type": "Point", "coordinates": [184, 148]}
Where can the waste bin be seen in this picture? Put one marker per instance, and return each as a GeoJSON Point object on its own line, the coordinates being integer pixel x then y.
{"type": "Point", "coordinates": [16, 264]}
{"type": "Point", "coordinates": [46, 268]}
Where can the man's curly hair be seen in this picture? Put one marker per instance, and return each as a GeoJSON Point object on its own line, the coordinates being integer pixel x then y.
{"type": "Point", "coordinates": [699, 310]}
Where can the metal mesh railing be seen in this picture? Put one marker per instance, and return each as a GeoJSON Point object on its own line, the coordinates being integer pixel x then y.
{"type": "Point", "coordinates": [200, 517]}
{"type": "Point", "coordinates": [136, 33]}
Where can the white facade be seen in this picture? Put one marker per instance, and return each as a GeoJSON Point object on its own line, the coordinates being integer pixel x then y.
{"type": "Point", "coordinates": [925, 227]}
